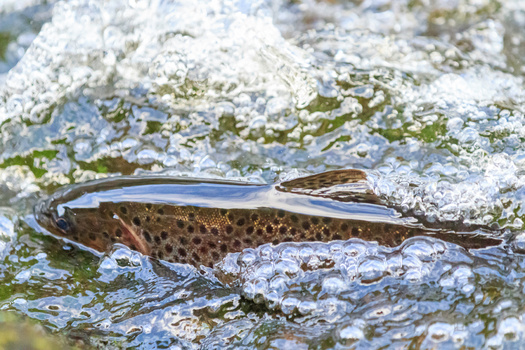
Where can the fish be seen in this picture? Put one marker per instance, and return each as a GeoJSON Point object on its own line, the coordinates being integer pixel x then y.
{"type": "Point", "coordinates": [200, 221]}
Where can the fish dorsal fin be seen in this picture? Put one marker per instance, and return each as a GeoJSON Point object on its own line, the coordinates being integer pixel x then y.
{"type": "Point", "coordinates": [349, 185]}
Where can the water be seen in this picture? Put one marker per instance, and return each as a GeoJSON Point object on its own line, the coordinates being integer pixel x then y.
{"type": "Point", "coordinates": [427, 97]}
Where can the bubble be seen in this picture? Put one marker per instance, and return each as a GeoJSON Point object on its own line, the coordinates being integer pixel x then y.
{"type": "Point", "coordinates": [247, 258]}
{"type": "Point", "coordinates": [287, 267]}
{"type": "Point", "coordinates": [289, 305]}
{"type": "Point", "coordinates": [354, 249]}
{"type": "Point", "coordinates": [440, 332]}
{"type": "Point", "coordinates": [371, 270]}
{"type": "Point", "coordinates": [333, 285]}
{"type": "Point", "coordinates": [518, 244]}
{"type": "Point", "coordinates": [278, 284]}
{"type": "Point", "coordinates": [511, 328]}
{"type": "Point", "coordinates": [350, 334]}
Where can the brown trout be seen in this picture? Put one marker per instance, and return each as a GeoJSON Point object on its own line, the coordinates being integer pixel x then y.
{"type": "Point", "coordinates": [199, 221]}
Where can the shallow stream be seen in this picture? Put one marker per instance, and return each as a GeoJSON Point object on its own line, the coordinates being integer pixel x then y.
{"type": "Point", "coordinates": [426, 96]}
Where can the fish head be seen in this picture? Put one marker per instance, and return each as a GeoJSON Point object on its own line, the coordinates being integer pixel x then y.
{"type": "Point", "coordinates": [47, 215]}
{"type": "Point", "coordinates": [82, 225]}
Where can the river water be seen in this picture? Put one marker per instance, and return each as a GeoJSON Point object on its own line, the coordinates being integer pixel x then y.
{"type": "Point", "coordinates": [427, 97]}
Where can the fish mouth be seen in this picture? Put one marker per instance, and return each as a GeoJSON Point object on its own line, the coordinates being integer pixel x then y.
{"type": "Point", "coordinates": [43, 214]}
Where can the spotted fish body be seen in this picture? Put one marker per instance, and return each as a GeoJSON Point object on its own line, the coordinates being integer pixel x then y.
{"type": "Point", "coordinates": [200, 221]}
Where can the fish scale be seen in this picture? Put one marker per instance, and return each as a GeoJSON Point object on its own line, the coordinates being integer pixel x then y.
{"type": "Point", "coordinates": [200, 221]}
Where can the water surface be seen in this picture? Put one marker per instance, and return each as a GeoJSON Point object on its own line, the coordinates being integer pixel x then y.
{"type": "Point", "coordinates": [426, 97]}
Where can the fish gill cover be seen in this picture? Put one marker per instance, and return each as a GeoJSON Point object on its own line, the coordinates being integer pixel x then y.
{"type": "Point", "coordinates": [426, 97]}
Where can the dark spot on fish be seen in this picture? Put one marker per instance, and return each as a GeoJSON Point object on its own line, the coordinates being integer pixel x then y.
{"type": "Point", "coordinates": [160, 254]}
{"type": "Point", "coordinates": [147, 236]}
{"type": "Point", "coordinates": [118, 232]}
{"type": "Point", "coordinates": [255, 217]}
{"type": "Point", "coordinates": [191, 216]}
{"type": "Point", "coordinates": [224, 248]}
{"type": "Point", "coordinates": [214, 231]}
{"type": "Point", "coordinates": [293, 231]}
{"type": "Point", "coordinates": [105, 234]}
{"type": "Point", "coordinates": [215, 255]}
{"type": "Point", "coordinates": [276, 222]}
{"type": "Point", "coordinates": [180, 224]}
{"type": "Point", "coordinates": [283, 229]}
{"type": "Point", "coordinates": [196, 257]}
{"type": "Point", "coordinates": [136, 221]}
{"type": "Point", "coordinates": [315, 220]}
{"type": "Point", "coordinates": [303, 236]}
{"type": "Point", "coordinates": [259, 232]}
{"type": "Point", "coordinates": [248, 241]}
{"type": "Point", "coordinates": [275, 242]}
{"type": "Point", "coordinates": [288, 239]}
{"type": "Point", "coordinates": [269, 228]}
{"type": "Point", "coordinates": [202, 228]}
{"type": "Point", "coordinates": [229, 229]}
{"type": "Point", "coordinates": [336, 237]}
{"type": "Point", "coordinates": [183, 241]}
{"type": "Point", "coordinates": [157, 239]}
{"type": "Point", "coordinates": [240, 222]}
{"type": "Point", "coordinates": [148, 206]}
{"type": "Point", "coordinates": [344, 227]}
{"type": "Point", "coordinates": [319, 236]}
{"type": "Point", "coordinates": [197, 240]}
{"type": "Point", "coordinates": [169, 248]}
{"type": "Point", "coordinates": [294, 219]}
{"type": "Point", "coordinates": [306, 225]}
{"type": "Point", "coordinates": [237, 243]}
{"type": "Point", "coordinates": [355, 232]}
{"type": "Point", "coordinates": [223, 212]}
{"type": "Point", "coordinates": [158, 219]}
{"type": "Point", "coordinates": [113, 239]}
{"type": "Point", "coordinates": [148, 219]}
{"type": "Point", "coordinates": [230, 217]}
{"type": "Point", "coordinates": [182, 252]}
{"type": "Point", "coordinates": [212, 245]}
{"type": "Point", "coordinates": [160, 211]}
{"type": "Point", "coordinates": [327, 220]}
{"type": "Point", "coordinates": [281, 213]}
{"type": "Point", "coordinates": [123, 210]}
{"type": "Point", "coordinates": [92, 236]}
{"type": "Point", "coordinates": [164, 235]}
{"type": "Point", "coordinates": [203, 250]}
{"type": "Point", "coordinates": [249, 230]}
{"type": "Point", "coordinates": [133, 247]}
{"type": "Point", "coordinates": [326, 232]}
{"type": "Point", "coordinates": [190, 229]}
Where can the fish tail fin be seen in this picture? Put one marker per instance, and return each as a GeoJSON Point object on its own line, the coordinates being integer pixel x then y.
{"type": "Point", "coordinates": [469, 240]}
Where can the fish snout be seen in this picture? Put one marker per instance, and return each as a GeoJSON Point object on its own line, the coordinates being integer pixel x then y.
{"type": "Point", "coordinates": [43, 214]}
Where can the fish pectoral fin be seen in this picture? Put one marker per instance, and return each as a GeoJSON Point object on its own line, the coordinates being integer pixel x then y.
{"type": "Point", "coordinates": [133, 239]}
{"type": "Point", "coordinates": [349, 185]}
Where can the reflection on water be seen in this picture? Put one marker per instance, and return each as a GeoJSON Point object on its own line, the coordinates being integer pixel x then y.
{"type": "Point", "coordinates": [427, 97]}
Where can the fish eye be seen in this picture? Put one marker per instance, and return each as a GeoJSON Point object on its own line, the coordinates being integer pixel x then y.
{"type": "Point", "coordinates": [62, 224]}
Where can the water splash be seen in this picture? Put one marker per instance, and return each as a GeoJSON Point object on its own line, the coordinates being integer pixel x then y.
{"type": "Point", "coordinates": [427, 97]}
